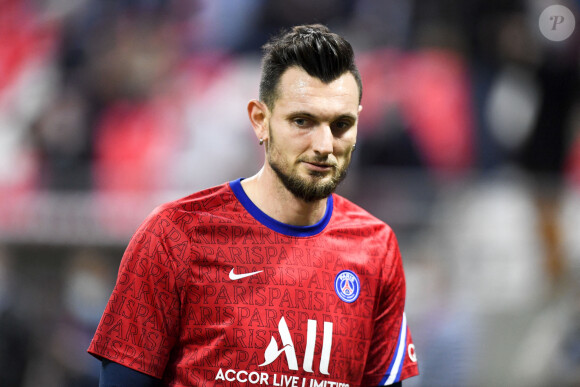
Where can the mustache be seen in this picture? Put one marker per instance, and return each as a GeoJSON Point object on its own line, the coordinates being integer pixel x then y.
{"type": "Point", "coordinates": [323, 161]}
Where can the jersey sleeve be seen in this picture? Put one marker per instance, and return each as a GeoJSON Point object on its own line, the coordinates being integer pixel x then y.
{"type": "Point", "coordinates": [391, 356]}
{"type": "Point", "coordinates": [141, 319]}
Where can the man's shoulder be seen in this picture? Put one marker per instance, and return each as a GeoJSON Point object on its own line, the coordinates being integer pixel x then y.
{"type": "Point", "coordinates": [201, 203]}
{"type": "Point", "coordinates": [348, 211]}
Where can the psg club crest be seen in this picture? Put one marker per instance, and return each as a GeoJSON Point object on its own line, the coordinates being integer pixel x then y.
{"type": "Point", "coordinates": [347, 286]}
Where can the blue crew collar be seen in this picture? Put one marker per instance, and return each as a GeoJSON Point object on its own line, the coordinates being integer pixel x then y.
{"type": "Point", "coordinates": [273, 224]}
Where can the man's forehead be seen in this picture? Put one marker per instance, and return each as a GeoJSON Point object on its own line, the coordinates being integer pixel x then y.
{"type": "Point", "coordinates": [298, 87]}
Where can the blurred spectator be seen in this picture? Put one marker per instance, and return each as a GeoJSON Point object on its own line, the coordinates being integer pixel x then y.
{"type": "Point", "coordinates": [61, 358]}
{"type": "Point", "coordinates": [14, 333]}
{"type": "Point", "coordinates": [375, 24]}
{"type": "Point", "coordinates": [492, 235]}
{"type": "Point", "coordinates": [419, 111]}
{"type": "Point", "coordinates": [274, 15]}
{"type": "Point", "coordinates": [215, 147]}
{"type": "Point", "coordinates": [572, 161]}
{"type": "Point", "coordinates": [27, 77]}
{"type": "Point", "coordinates": [511, 109]}
{"type": "Point", "coordinates": [222, 25]}
{"type": "Point", "coordinates": [63, 142]}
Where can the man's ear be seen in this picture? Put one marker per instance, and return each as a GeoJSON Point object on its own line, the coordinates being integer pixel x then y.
{"type": "Point", "coordinates": [258, 113]}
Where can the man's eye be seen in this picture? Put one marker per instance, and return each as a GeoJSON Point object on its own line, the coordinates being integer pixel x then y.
{"type": "Point", "coordinates": [301, 121]}
{"type": "Point", "coordinates": [342, 125]}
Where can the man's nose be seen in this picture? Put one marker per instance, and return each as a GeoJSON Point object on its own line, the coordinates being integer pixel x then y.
{"type": "Point", "coordinates": [322, 141]}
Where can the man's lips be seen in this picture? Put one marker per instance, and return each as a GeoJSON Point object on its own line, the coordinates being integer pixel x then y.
{"type": "Point", "coordinates": [319, 166]}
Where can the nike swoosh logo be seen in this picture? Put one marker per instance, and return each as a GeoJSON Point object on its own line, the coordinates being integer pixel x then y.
{"type": "Point", "coordinates": [234, 276]}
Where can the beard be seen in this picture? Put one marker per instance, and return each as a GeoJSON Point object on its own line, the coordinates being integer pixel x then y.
{"type": "Point", "coordinates": [312, 189]}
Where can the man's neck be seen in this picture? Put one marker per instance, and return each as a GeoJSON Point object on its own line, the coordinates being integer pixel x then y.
{"type": "Point", "coordinates": [270, 195]}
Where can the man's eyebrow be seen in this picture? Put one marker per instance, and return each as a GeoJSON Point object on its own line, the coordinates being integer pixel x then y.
{"type": "Point", "coordinates": [306, 114]}
{"type": "Point", "coordinates": [348, 116]}
{"type": "Point", "coordinates": [302, 113]}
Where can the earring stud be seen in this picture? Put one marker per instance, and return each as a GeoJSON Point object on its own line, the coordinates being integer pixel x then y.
{"type": "Point", "coordinates": [261, 141]}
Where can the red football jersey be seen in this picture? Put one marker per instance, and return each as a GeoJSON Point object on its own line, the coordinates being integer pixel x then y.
{"type": "Point", "coordinates": [212, 291]}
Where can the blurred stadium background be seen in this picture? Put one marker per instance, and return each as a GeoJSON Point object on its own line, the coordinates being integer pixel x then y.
{"type": "Point", "coordinates": [469, 147]}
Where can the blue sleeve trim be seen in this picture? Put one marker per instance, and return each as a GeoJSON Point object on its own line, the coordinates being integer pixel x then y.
{"type": "Point", "coordinates": [273, 224]}
{"type": "Point", "coordinates": [393, 373]}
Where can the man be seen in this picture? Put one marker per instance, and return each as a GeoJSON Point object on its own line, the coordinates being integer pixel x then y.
{"type": "Point", "coordinates": [273, 279]}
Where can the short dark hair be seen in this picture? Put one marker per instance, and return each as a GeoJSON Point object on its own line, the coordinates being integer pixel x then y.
{"type": "Point", "coordinates": [321, 53]}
